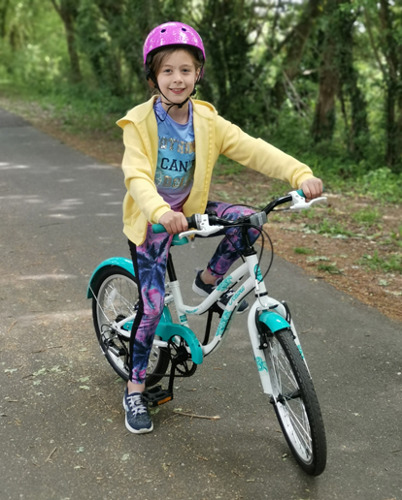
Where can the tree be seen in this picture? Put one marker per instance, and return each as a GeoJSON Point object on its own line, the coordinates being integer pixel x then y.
{"type": "Point", "coordinates": [226, 27]}
{"type": "Point", "coordinates": [68, 12]}
{"type": "Point", "coordinates": [383, 21]}
{"type": "Point", "coordinates": [338, 77]}
{"type": "Point", "coordinates": [328, 80]}
{"type": "Point", "coordinates": [358, 131]}
{"type": "Point", "coordinates": [294, 45]}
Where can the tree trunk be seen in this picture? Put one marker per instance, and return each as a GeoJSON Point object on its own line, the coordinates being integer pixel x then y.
{"type": "Point", "coordinates": [3, 15]}
{"type": "Point", "coordinates": [338, 76]}
{"type": "Point", "coordinates": [358, 135]}
{"type": "Point", "coordinates": [324, 116]}
{"type": "Point", "coordinates": [67, 10]}
{"type": "Point", "coordinates": [393, 101]}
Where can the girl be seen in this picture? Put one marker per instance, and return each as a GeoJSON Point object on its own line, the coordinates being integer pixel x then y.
{"type": "Point", "coordinates": [171, 145]}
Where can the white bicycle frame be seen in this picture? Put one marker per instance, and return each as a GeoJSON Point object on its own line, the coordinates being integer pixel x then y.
{"type": "Point", "coordinates": [263, 302]}
{"type": "Point", "coordinates": [249, 274]}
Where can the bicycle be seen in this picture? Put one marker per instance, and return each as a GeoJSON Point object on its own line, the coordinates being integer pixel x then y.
{"type": "Point", "coordinates": [280, 360]}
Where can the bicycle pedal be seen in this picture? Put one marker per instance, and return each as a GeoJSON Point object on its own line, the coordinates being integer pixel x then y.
{"type": "Point", "coordinates": [157, 396]}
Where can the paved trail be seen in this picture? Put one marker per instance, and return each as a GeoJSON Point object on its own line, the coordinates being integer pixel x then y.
{"type": "Point", "coordinates": [61, 419]}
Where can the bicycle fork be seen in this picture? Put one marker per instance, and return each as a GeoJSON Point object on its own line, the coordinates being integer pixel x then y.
{"type": "Point", "coordinates": [266, 315]}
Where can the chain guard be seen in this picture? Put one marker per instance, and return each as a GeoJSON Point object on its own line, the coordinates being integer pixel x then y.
{"type": "Point", "coordinates": [180, 357]}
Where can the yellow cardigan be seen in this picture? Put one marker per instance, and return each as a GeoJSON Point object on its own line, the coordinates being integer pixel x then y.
{"type": "Point", "coordinates": [213, 136]}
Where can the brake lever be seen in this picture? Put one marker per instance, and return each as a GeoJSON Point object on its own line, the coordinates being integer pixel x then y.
{"type": "Point", "coordinates": [201, 232]}
{"type": "Point", "coordinates": [300, 203]}
{"type": "Point", "coordinates": [203, 227]}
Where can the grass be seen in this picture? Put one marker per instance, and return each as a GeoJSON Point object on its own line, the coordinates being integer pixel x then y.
{"type": "Point", "coordinates": [303, 251]}
{"type": "Point", "coordinates": [367, 216]}
{"type": "Point", "coordinates": [329, 227]}
{"type": "Point", "coordinates": [392, 263]}
{"type": "Point", "coordinates": [330, 268]}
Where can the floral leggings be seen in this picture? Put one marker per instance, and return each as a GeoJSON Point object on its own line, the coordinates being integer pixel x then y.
{"type": "Point", "coordinates": [150, 260]}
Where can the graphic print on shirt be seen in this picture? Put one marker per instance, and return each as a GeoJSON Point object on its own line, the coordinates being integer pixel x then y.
{"type": "Point", "coordinates": [176, 159]}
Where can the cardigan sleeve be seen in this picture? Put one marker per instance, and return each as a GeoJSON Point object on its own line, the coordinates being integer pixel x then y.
{"type": "Point", "coordinates": [260, 155]}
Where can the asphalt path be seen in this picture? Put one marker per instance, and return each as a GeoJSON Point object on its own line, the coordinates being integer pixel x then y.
{"type": "Point", "coordinates": [62, 433]}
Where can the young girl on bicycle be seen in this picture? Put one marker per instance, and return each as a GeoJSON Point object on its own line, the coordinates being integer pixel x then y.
{"type": "Point", "coordinates": [171, 145]}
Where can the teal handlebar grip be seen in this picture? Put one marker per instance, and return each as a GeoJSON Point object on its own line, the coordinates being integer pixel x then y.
{"type": "Point", "coordinates": [158, 228]}
{"type": "Point", "coordinates": [300, 192]}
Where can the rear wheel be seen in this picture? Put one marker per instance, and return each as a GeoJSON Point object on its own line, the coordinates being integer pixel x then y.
{"type": "Point", "coordinates": [116, 298]}
{"type": "Point", "coordinates": [296, 403]}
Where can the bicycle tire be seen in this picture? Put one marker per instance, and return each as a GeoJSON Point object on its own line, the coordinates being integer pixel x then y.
{"type": "Point", "coordinates": [295, 402]}
{"type": "Point", "coordinates": [116, 296]}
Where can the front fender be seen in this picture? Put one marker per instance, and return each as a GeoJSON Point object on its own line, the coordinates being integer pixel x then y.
{"type": "Point", "coordinates": [273, 321]}
{"type": "Point", "coordinates": [126, 264]}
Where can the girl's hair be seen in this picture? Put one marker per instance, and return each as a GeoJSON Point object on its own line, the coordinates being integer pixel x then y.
{"type": "Point", "coordinates": [159, 57]}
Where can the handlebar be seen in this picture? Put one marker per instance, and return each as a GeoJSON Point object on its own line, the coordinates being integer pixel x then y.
{"type": "Point", "coordinates": [207, 224]}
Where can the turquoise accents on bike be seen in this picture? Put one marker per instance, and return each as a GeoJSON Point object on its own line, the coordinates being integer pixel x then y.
{"type": "Point", "coordinates": [273, 320]}
{"type": "Point", "coordinates": [261, 364]}
{"type": "Point", "coordinates": [177, 241]}
{"type": "Point", "coordinates": [158, 228]}
{"type": "Point", "coordinates": [166, 329]}
{"type": "Point", "coordinates": [258, 273]}
{"type": "Point", "coordinates": [126, 264]}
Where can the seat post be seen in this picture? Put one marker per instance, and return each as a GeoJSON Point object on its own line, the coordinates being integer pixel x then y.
{"type": "Point", "coordinates": [170, 268]}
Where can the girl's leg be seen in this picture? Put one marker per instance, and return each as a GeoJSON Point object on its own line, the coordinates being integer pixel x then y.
{"type": "Point", "coordinates": [228, 250]}
{"type": "Point", "coordinates": [149, 261]}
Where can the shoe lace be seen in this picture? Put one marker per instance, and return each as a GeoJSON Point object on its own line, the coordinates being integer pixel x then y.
{"type": "Point", "coordinates": [136, 405]}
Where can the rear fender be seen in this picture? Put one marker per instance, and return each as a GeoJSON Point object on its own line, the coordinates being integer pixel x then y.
{"type": "Point", "coordinates": [122, 262]}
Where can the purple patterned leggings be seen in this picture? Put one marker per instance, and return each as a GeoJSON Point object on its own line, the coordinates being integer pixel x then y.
{"type": "Point", "coordinates": [150, 260]}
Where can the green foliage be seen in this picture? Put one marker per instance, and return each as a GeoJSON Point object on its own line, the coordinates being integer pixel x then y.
{"type": "Point", "coordinates": [376, 262]}
{"type": "Point", "coordinates": [367, 216]}
{"type": "Point", "coordinates": [264, 71]}
{"type": "Point", "coordinates": [330, 268]}
{"type": "Point", "coordinates": [32, 45]}
{"type": "Point", "coordinates": [382, 184]}
{"type": "Point", "coordinates": [327, 226]}
{"type": "Point", "coordinates": [303, 251]}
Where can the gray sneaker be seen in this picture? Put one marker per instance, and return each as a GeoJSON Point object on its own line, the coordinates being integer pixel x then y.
{"type": "Point", "coordinates": [204, 290]}
{"type": "Point", "coordinates": [138, 420]}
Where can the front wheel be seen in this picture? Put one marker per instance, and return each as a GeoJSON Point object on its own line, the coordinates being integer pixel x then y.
{"type": "Point", "coordinates": [296, 403]}
{"type": "Point", "coordinates": [116, 298]}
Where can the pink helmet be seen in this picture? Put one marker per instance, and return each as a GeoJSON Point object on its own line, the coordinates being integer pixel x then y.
{"type": "Point", "coordinates": [172, 33]}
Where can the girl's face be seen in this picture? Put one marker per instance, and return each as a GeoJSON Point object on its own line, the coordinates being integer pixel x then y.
{"type": "Point", "coordinates": [177, 76]}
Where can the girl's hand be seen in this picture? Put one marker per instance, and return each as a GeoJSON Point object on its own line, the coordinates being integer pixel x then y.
{"type": "Point", "coordinates": [312, 188]}
{"type": "Point", "coordinates": [174, 222]}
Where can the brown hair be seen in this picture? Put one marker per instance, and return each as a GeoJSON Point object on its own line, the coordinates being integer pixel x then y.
{"type": "Point", "coordinates": [160, 55]}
